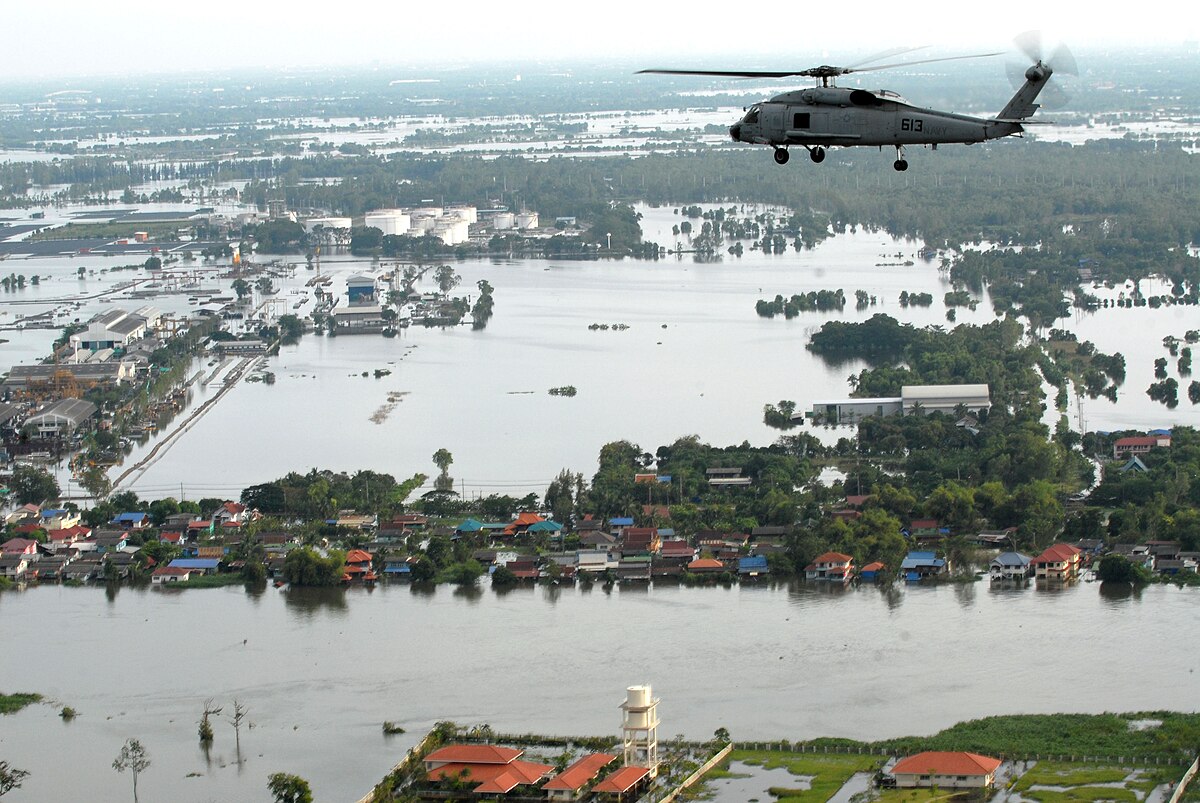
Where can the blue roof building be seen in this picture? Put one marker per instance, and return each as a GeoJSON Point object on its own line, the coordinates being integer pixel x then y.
{"type": "Point", "coordinates": [621, 521]}
{"type": "Point", "coordinates": [922, 565]}
{"type": "Point", "coordinates": [206, 565]}
{"type": "Point", "coordinates": [752, 566]}
{"type": "Point", "coordinates": [130, 520]}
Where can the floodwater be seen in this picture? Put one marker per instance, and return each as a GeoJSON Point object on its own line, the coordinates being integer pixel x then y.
{"type": "Point", "coordinates": [320, 671]}
{"type": "Point", "coordinates": [695, 359]}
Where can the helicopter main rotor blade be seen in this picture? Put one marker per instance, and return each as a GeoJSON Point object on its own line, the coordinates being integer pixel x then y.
{"type": "Point", "coordinates": [887, 54]}
{"type": "Point", "coordinates": [921, 61]}
{"type": "Point", "coordinates": [724, 73]}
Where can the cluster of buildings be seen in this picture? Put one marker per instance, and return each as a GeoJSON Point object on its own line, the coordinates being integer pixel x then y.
{"type": "Point", "coordinates": [496, 772]}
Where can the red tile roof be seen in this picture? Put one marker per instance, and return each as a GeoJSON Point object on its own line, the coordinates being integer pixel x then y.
{"type": "Point", "coordinates": [18, 546]}
{"type": "Point", "coordinates": [622, 780]}
{"type": "Point", "coordinates": [474, 754]}
{"type": "Point", "coordinates": [493, 778]}
{"type": "Point", "coordinates": [1140, 440]}
{"type": "Point", "coordinates": [75, 533]}
{"type": "Point", "coordinates": [172, 571]}
{"type": "Point", "coordinates": [677, 549]}
{"type": "Point", "coordinates": [941, 763]}
{"type": "Point", "coordinates": [832, 557]}
{"type": "Point", "coordinates": [873, 567]}
{"type": "Point", "coordinates": [358, 556]}
{"type": "Point", "coordinates": [579, 773]}
{"type": "Point", "coordinates": [1058, 553]}
{"type": "Point", "coordinates": [706, 565]}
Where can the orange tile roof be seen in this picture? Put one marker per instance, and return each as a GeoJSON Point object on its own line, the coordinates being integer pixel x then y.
{"type": "Point", "coordinates": [1056, 553]}
{"type": "Point", "coordinates": [358, 556]}
{"type": "Point", "coordinates": [832, 557]}
{"type": "Point", "coordinates": [873, 567]}
{"type": "Point", "coordinates": [579, 773]}
{"type": "Point", "coordinates": [622, 780]}
{"type": "Point", "coordinates": [705, 564]}
{"type": "Point", "coordinates": [943, 763]}
{"type": "Point", "coordinates": [474, 754]}
{"type": "Point", "coordinates": [493, 778]}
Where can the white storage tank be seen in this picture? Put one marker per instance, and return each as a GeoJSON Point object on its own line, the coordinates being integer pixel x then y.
{"type": "Point", "coordinates": [388, 221]}
{"type": "Point", "coordinates": [527, 220]}
{"type": "Point", "coordinates": [504, 220]}
{"type": "Point", "coordinates": [467, 213]}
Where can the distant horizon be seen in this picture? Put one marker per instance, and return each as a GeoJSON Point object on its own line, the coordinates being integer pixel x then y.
{"type": "Point", "coordinates": [63, 82]}
{"type": "Point", "coordinates": [140, 38]}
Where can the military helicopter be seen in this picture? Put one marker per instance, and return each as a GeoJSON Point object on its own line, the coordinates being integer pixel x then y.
{"type": "Point", "coordinates": [828, 115]}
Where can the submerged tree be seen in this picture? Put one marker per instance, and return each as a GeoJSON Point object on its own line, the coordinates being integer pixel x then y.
{"type": "Point", "coordinates": [10, 778]}
{"type": "Point", "coordinates": [206, 729]}
{"type": "Point", "coordinates": [133, 757]}
{"type": "Point", "coordinates": [289, 788]}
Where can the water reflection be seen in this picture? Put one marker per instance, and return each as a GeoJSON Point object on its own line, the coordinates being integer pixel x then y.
{"type": "Point", "coordinates": [892, 595]}
{"type": "Point", "coordinates": [422, 589]}
{"type": "Point", "coordinates": [311, 601]}
{"type": "Point", "coordinates": [1120, 593]}
{"type": "Point", "coordinates": [965, 593]}
{"type": "Point", "coordinates": [471, 593]}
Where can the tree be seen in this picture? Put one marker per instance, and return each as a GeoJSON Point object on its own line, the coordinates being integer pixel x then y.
{"type": "Point", "coordinates": [133, 757]}
{"type": "Point", "coordinates": [241, 287]}
{"type": "Point", "coordinates": [33, 485]}
{"type": "Point", "coordinates": [206, 729]}
{"type": "Point", "coordinates": [1118, 569]}
{"type": "Point", "coordinates": [443, 459]}
{"type": "Point", "coordinates": [289, 788]}
{"type": "Point", "coordinates": [446, 278]}
{"type": "Point", "coordinates": [10, 778]}
{"type": "Point", "coordinates": [239, 715]}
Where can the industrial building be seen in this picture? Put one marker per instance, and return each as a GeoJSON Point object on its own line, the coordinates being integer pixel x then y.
{"type": "Point", "coordinates": [357, 320]}
{"type": "Point", "coordinates": [84, 375]}
{"type": "Point", "coordinates": [912, 399]}
{"type": "Point", "coordinates": [451, 225]}
{"type": "Point", "coordinates": [61, 419]}
{"type": "Point", "coordinates": [361, 289]}
{"type": "Point", "coordinates": [114, 329]}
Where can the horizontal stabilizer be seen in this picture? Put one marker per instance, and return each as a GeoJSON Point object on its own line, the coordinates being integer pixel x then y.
{"type": "Point", "coordinates": [1021, 121]}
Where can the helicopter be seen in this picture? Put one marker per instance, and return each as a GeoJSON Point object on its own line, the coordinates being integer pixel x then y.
{"type": "Point", "coordinates": [828, 115]}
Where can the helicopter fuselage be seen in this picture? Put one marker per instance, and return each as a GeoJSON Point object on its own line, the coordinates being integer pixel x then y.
{"type": "Point", "coordinates": [841, 116]}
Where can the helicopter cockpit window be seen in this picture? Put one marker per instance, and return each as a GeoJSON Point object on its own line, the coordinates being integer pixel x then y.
{"type": "Point", "coordinates": [752, 115]}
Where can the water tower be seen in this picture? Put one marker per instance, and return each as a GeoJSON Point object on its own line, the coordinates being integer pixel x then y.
{"type": "Point", "coordinates": [639, 727]}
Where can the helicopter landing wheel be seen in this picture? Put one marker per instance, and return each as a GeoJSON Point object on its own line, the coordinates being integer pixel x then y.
{"type": "Point", "coordinates": [901, 165]}
{"type": "Point", "coordinates": [817, 154]}
{"type": "Point", "coordinates": [782, 156]}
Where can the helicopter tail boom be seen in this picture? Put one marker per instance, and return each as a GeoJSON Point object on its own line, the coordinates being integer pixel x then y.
{"type": "Point", "coordinates": [1023, 104]}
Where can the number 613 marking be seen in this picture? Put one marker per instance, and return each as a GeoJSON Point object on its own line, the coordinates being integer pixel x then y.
{"type": "Point", "coordinates": [911, 124]}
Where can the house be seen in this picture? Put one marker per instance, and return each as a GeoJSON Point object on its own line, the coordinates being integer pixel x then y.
{"type": "Point", "coordinates": [597, 540]}
{"type": "Point", "coordinates": [706, 566]}
{"type": "Point", "coordinates": [618, 524]}
{"type": "Point", "coordinates": [768, 535]}
{"type": "Point", "coordinates": [230, 513]}
{"type": "Point", "coordinates": [1059, 562]}
{"type": "Point", "coordinates": [1141, 444]}
{"type": "Point", "coordinates": [19, 546]}
{"type": "Point", "coordinates": [1010, 566]}
{"type": "Point", "coordinates": [495, 770]}
{"type": "Point", "coordinates": [109, 541]}
{"type": "Point", "coordinates": [397, 568]}
{"type": "Point", "coordinates": [946, 770]}
{"type": "Point", "coordinates": [753, 566]}
{"type": "Point", "coordinates": [596, 561]}
{"type": "Point", "coordinates": [833, 567]}
{"type": "Point", "coordinates": [522, 523]}
{"type": "Point", "coordinates": [722, 477]}
{"type": "Point", "coordinates": [52, 519]}
{"type": "Point", "coordinates": [927, 531]}
{"type": "Point", "coordinates": [131, 521]}
{"type": "Point", "coordinates": [640, 540]}
{"type": "Point", "coordinates": [923, 566]}
{"type": "Point", "coordinates": [26, 512]}
{"type": "Point", "coordinates": [67, 536]}
{"type": "Point", "coordinates": [994, 539]}
{"type": "Point", "coordinates": [196, 565]}
{"type": "Point", "coordinates": [1134, 464]}
{"type": "Point", "coordinates": [872, 571]}
{"type": "Point", "coordinates": [15, 565]}
{"type": "Point", "coordinates": [571, 784]}
{"type": "Point", "coordinates": [165, 575]}
{"type": "Point", "coordinates": [634, 569]}
{"type": "Point", "coordinates": [356, 521]}
{"type": "Point", "coordinates": [523, 568]}
{"type": "Point", "coordinates": [676, 551]}
{"type": "Point", "coordinates": [358, 567]}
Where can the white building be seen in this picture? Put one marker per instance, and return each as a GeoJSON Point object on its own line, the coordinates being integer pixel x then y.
{"type": "Point", "coordinates": [947, 399]}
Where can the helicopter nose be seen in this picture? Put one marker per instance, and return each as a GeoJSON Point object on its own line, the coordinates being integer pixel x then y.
{"type": "Point", "coordinates": [735, 132]}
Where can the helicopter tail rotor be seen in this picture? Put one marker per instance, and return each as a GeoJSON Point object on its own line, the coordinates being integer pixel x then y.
{"type": "Point", "coordinates": [1059, 62]}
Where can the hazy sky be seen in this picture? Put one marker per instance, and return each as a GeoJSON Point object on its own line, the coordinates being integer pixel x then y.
{"type": "Point", "coordinates": [137, 36]}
